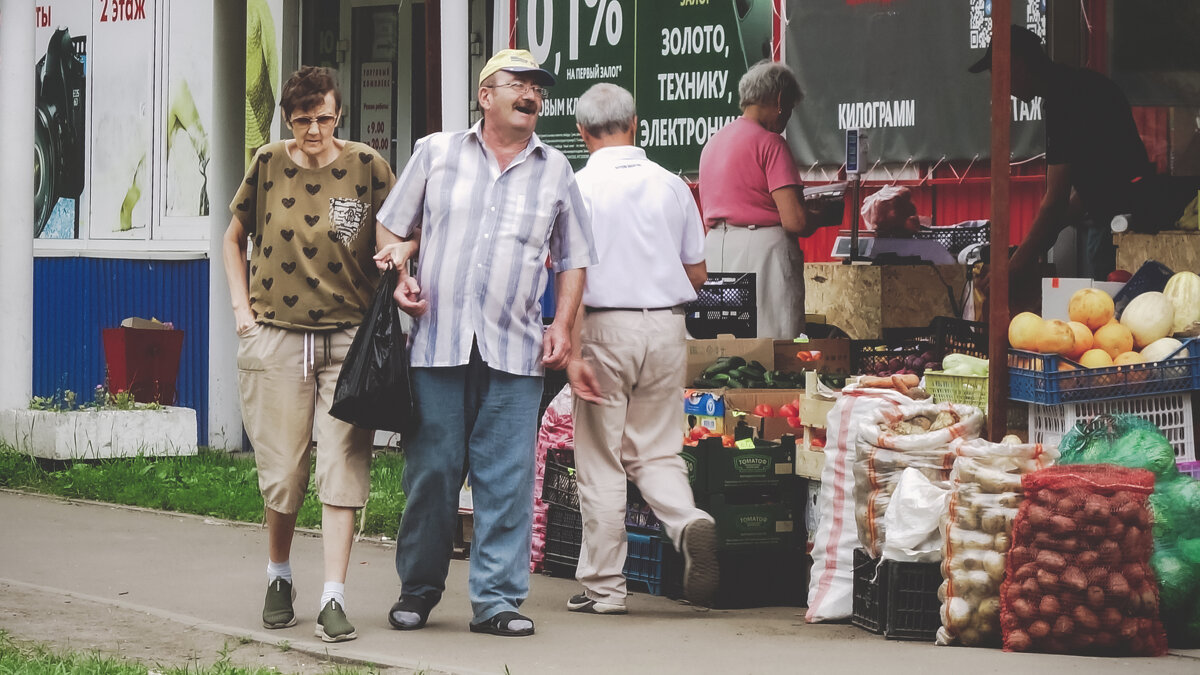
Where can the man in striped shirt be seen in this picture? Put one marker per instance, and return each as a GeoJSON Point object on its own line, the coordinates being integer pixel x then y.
{"type": "Point", "coordinates": [486, 205]}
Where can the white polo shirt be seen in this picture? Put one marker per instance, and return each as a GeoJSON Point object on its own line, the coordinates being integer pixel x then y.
{"type": "Point", "coordinates": [646, 226]}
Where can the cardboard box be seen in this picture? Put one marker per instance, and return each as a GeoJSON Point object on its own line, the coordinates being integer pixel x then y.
{"type": "Point", "coordinates": [810, 463]}
{"type": "Point", "coordinates": [1057, 292]}
{"type": "Point", "coordinates": [743, 522]}
{"type": "Point", "coordinates": [143, 324]}
{"type": "Point", "coordinates": [706, 408]}
{"type": "Point", "coordinates": [703, 353]}
{"type": "Point", "coordinates": [714, 468]}
{"type": "Point", "coordinates": [834, 355]}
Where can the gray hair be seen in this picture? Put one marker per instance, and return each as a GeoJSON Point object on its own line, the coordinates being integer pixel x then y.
{"type": "Point", "coordinates": [766, 82]}
{"type": "Point", "coordinates": [605, 109]}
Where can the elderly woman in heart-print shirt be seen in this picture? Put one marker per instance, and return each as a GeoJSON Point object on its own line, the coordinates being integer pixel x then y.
{"type": "Point", "coordinates": [308, 203]}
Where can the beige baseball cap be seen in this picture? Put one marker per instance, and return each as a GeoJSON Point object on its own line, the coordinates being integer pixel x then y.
{"type": "Point", "coordinates": [516, 61]}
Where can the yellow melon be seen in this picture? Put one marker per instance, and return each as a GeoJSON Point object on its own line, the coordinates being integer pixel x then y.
{"type": "Point", "coordinates": [1024, 330]}
{"type": "Point", "coordinates": [1114, 338]}
{"type": "Point", "coordinates": [1056, 337]}
{"type": "Point", "coordinates": [1095, 358]}
{"type": "Point", "coordinates": [1091, 307]}
{"type": "Point", "coordinates": [1083, 340]}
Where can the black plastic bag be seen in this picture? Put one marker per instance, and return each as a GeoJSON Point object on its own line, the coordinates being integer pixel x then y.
{"type": "Point", "coordinates": [373, 389]}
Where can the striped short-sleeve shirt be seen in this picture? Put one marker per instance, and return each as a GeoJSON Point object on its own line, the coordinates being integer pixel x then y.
{"type": "Point", "coordinates": [485, 236]}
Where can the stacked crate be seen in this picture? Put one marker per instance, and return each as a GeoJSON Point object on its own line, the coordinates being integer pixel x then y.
{"type": "Point", "coordinates": [757, 504]}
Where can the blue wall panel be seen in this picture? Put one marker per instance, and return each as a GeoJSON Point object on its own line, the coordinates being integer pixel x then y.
{"type": "Point", "coordinates": [74, 298]}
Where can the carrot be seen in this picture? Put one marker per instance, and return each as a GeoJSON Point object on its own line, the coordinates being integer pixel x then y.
{"type": "Point", "coordinates": [872, 382]}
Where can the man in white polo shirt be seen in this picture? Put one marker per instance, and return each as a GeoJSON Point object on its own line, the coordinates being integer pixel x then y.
{"type": "Point", "coordinates": [627, 370]}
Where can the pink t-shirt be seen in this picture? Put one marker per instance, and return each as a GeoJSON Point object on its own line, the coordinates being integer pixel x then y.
{"type": "Point", "coordinates": [739, 168]}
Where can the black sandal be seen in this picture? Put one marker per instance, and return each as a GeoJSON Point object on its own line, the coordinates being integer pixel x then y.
{"type": "Point", "coordinates": [410, 603]}
{"type": "Point", "coordinates": [499, 625]}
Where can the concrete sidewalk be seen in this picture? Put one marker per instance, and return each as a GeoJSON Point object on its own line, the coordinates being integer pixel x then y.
{"type": "Point", "coordinates": [209, 575]}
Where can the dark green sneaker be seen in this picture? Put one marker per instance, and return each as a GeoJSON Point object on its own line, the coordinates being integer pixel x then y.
{"type": "Point", "coordinates": [332, 625]}
{"type": "Point", "coordinates": [277, 608]}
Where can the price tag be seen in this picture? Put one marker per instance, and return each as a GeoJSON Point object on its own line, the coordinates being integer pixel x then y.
{"type": "Point", "coordinates": [745, 444]}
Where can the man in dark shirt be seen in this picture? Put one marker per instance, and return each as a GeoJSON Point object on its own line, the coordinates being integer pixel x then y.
{"type": "Point", "coordinates": [1094, 155]}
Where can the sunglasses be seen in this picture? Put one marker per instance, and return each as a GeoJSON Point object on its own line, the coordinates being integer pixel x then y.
{"type": "Point", "coordinates": [304, 123]}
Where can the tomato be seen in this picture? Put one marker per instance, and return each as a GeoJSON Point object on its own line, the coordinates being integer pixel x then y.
{"type": "Point", "coordinates": [727, 441]}
{"type": "Point", "coordinates": [699, 432]}
{"type": "Point", "coordinates": [764, 410]}
{"type": "Point", "coordinates": [789, 410]}
{"type": "Point", "coordinates": [794, 422]}
{"type": "Point", "coordinates": [1119, 276]}
{"type": "Point", "coordinates": [817, 443]}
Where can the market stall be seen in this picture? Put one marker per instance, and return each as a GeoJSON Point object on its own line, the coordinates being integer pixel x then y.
{"type": "Point", "coordinates": [1027, 484]}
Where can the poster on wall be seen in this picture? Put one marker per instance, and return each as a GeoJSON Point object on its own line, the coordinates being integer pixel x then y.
{"type": "Point", "coordinates": [898, 71]}
{"type": "Point", "coordinates": [189, 108]}
{"type": "Point", "coordinates": [681, 60]}
{"type": "Point", "coordinates": [61, 40]}
{"type": "Point", "coordinates": [375, 105]}
{"type": "Point", "coordinates": [122, 56]}
{"type": "Point", "coordinates": [264, 35]}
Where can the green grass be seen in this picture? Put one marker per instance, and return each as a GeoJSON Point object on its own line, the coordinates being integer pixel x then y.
{"type": "Point", "coordinates": [36, 659]}
{"type": "Point", "coordinates": [211, 483]}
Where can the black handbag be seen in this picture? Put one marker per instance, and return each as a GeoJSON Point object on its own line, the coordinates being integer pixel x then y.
{"type": "Point", "coordinates": [373, 389]}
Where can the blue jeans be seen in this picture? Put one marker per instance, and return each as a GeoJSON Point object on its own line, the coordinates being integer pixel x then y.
{"type": "Point", "coordinates": [477, 417]}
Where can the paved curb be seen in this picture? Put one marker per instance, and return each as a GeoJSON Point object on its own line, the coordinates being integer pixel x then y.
{"type": "Point", "coordinates": [315, 648]}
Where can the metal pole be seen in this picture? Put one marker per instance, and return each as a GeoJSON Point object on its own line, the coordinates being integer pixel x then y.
{"type": "Point", "coordinates": [456, 76]}
{"type": "Point", "coordinates": [16, 201]}
{"type": "Point", "coordinates": [998, 291]}
{"type": "Point", "coordinates": [225, 171]}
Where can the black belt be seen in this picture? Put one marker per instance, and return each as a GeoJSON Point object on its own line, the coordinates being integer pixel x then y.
{"type": "Point", "coordinates": [674, 308]}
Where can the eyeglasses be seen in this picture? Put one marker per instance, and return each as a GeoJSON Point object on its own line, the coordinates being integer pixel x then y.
{"type": "Point", "coordinates": [304, 123]}
{"type": "Point", "coordinates": [520, 88]}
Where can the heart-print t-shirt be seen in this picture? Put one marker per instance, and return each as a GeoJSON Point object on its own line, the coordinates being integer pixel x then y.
{"type": "Point", "coordinates": [313, 232]}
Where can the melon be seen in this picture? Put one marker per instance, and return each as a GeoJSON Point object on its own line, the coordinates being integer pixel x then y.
{"type": "Point", "coordinates": [1149, 317]}
{"type": "Point", "coordinates": [1160, 349]}
{"type": "Point", "coordinates": [1114, 339]}
{"type": "Point", "coordinates": [1083, 340]}
{"type": "Point", "coordinates": [1023, 331]}
{"type": "Point", "coordinates": [1183, 290]}
{"type": "Point", "coordinates": [1091, 307]}
{"type": "Point", "coordinates": [1095, 358]}
{"type": "Point", "coordinates": [1056, 337]}
{"type": "Point", "coordinates": [1130, 359]}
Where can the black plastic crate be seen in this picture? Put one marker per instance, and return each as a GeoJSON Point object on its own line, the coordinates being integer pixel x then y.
{"type": "Point", "coordinates": [564, 532]}
{"type": "Point", "coordinates": [867, 355]}
{"type": "Point", "coordinates": [959, 336]}
{"type": "Point", "coordinates": [725, 304]}
{"type": "Point", "coordinates": [869, 585]}
{"type": "Point", "coordinates": [559, 486]}
{"type": "Point", "coordinates": [913, 608]}
{"type": "Point", "coordinates": [560, 566]}
{"type": "Point", "coordinates": [957, 237]}
{"type": "Point", "coordinates": [896, 599]}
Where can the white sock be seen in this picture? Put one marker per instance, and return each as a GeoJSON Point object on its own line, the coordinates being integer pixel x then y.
{"type": "Point", "coordinates": [334, 591]}
{"type": "Point", "coordinates": [281, 570]}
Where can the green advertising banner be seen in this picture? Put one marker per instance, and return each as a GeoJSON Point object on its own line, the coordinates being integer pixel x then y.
{"type": "Point", "coordinates": [681, 59]}
{"type": "Point", "coordinates": [897, 69]}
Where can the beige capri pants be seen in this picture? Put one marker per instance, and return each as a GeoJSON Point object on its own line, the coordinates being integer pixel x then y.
{"type": "Point", "coordinates": [286, 379]}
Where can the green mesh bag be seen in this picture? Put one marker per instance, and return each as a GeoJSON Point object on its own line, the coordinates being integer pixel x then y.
{"type": "Point", "coordinates": [1124, 440]}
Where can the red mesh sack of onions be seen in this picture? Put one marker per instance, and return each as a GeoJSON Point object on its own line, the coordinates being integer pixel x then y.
{"type": "Point", "coordinates": [1078, 578]}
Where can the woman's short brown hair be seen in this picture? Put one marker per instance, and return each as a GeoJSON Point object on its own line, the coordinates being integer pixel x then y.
{"type": "Point", "coordinates": [306, 89]}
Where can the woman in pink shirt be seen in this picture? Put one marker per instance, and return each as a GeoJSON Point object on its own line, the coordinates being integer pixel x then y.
{"type": "Point", "coordinates": [753, 206]}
